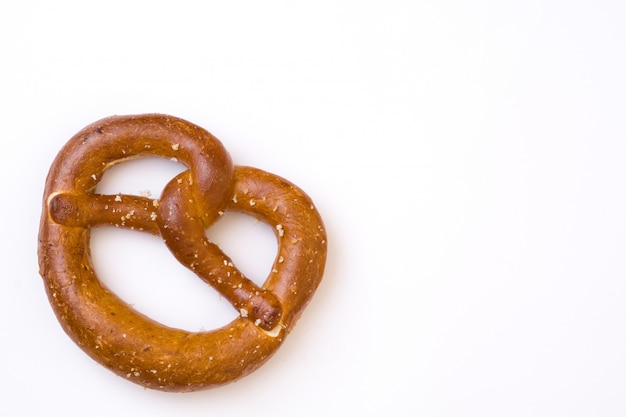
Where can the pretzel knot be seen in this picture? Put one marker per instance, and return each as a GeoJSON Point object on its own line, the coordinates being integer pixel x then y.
{"type": "Point", "coordinates": [126, 341]}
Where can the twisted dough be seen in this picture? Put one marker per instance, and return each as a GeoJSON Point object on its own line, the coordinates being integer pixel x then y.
{"type": "Point", "coordinates": [126, 341]}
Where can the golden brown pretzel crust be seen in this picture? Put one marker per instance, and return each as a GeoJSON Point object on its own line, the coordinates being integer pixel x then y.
{"type": "Point", "coordinates": [129, 343]}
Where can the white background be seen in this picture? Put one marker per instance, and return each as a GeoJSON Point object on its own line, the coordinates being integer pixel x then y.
{"type": "Point", "coordinates": [468, 158]}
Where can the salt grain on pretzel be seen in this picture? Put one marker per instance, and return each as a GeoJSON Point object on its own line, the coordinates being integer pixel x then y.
{"type": "Point", "coordinates": [126, 341]}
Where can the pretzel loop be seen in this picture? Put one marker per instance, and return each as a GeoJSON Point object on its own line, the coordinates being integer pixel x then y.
{"type": "Point", "coordinates": [129, 343]}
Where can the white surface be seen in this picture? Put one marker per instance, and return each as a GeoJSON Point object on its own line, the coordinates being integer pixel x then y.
{"type": "Point", "coordinates": [468, 159]}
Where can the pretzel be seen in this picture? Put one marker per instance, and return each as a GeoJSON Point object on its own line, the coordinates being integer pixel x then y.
{"type": "Point", "coordinates": [129, 343]}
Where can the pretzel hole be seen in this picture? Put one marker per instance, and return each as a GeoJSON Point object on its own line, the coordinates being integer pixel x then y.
{"type": "Point", "coordinates": [145, 176]}
{"type": "Point", "coordinates": [140, 270]}
{"type": "Point", "coordinates": [250, 244]}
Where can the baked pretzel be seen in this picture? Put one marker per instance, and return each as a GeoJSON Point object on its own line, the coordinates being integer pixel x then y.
{"type": "Point", "coordinates": [126, 341]}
